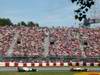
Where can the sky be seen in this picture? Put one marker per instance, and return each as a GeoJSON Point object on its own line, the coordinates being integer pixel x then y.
{"type": "Point", "coordinates": [44, 12]}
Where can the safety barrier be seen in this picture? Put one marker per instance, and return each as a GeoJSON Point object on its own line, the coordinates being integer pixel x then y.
{"type": "Point", "coordinates": [47, 64]}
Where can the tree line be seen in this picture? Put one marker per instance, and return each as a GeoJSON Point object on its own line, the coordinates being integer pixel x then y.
{"type": "Point", "coordinates": [8, 22]}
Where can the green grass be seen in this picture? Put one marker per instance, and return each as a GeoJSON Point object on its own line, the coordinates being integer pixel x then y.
{"type": "Point", "coordinates": [90, 66]}
{"type": "Point", "coordinates": [36, 73]}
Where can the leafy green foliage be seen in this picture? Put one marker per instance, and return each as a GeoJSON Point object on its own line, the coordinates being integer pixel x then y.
{"type": "Point", "coordinates": [7, 22]}
{"type": "Point", "coordinates": [31, 23]}
{"type": "Point", "coordinates": [84, 6]}
{"type": "Point", "coordinates": [4, 22]}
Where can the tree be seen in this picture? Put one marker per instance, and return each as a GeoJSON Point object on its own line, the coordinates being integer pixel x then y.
{"type": "Point", "coordinates": [23, 23]}
{"type": "Point", "coordinates": [8, 21]}
{"type": "Point", "coordinates": [31, 23]}
{"type": "Point", "coordinates": [5, 21]}
{"type": "Point", "coordinates": [18, 24]}
{"type": "Point", "coordinates": [37, 24]}
{"type": "Point", "coordinates": [84, 6]}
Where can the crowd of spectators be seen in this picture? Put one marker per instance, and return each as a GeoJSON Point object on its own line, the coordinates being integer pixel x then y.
{"type": "Point", "coordinates": [63, 41]}
{"type": "Point", "coordinates": [91, 41]}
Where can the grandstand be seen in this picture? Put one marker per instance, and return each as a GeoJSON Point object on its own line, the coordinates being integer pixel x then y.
{"type": "Point", "coordinates": [37, 44]}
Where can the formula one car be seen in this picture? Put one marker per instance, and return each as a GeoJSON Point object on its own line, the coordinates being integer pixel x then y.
{"type": "Point", "coordinates": [26, 69]}
{"type": "Point", "coordinates": [79, 69]}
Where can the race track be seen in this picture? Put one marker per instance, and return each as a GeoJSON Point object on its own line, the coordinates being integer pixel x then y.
{"type": "Point", "coordinates": [45, 69]}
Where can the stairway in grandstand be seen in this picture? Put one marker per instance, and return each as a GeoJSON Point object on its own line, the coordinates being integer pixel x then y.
{"type": "Point", "coordinates": [10, 50]}
{"type": "Point", "coordinates": [46, 44]}
{"type": "Point", "coordinates": [81, 45]}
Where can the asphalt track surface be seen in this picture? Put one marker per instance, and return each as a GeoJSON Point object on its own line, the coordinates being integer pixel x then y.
{"type": "Point", "coordinates": [39, 68]}
{"type": "Point", "coordinates": [45, 69]}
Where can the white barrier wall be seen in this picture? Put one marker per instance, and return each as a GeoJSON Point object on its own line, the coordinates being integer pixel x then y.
{"type": "Point", "coordinates": [50, 64]}
{"type": "Point", "coordinates": [65, 64]}
{"type": "Point", "coordinates": [2, 64]}
{"type": "Point", "coordinates": [20, 64]}
{"type": "Point", "coordinates": [11, 64]}
{"type": "Point", "coordinates": [44, 64]}
{"type": "Point", "coordinates": [96, 64]}
{"type": "Point", "coordinates": [36, 64]}
{"type": "Point", "coordinates": [29, 64]}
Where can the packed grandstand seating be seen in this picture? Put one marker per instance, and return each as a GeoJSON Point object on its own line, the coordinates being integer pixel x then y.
{"type": "Point", "coordinates": [63, 41]}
